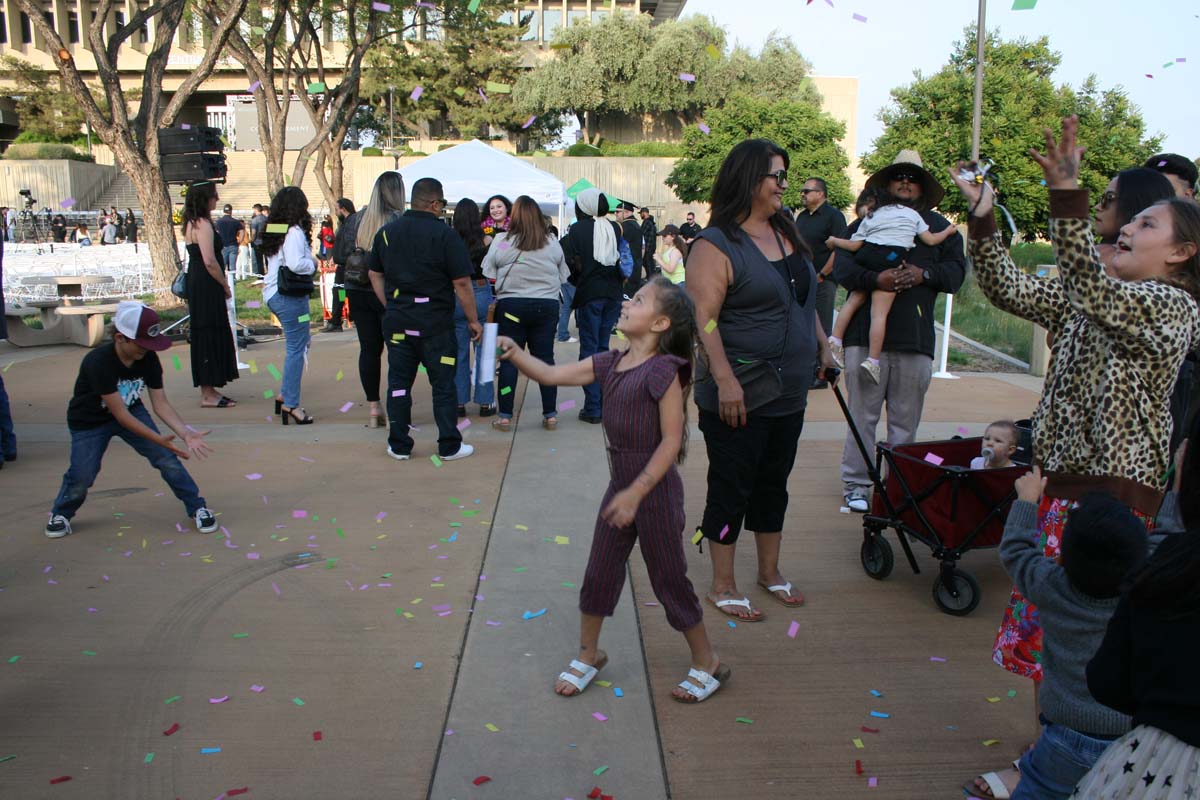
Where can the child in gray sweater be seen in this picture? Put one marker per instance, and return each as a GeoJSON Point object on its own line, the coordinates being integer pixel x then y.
{"type": "Point", "coordinates": [1102, 542]}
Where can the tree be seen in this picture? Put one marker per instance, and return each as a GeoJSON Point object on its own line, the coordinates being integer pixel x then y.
{"type": "Point", "coordinates": [134, 140]}
{"type": "Point", "coordinates": [680, 68]}
{"type": "Point", "coordinates": [933, 116]}
{"type": "Point", "coordinates": [475, 51]}
{"type": "Point", "coordinates": [808, 134]}
{"type": "Point", "coordinates": [46, 112]}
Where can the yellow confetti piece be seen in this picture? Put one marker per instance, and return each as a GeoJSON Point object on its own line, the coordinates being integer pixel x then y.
{"type": "Point", "coordinates": [395, 294]}
{"type": "Point", "coordinates": [491, 727]}
{"type": "Point", "coordinates": [384, 233]}
{"type": "Point", "coordinates": [408, 615]}
{"type": "Point", "coordinates": [253, 367]}
{"type": "Point", "coordinates": [699, 535]}
{"type": "Point", "coordinates": [605, 684]}
{"type": "Point", "coordinates": [713, 52]}
{"type": "Point", "coordinates": [993, 699]}
{"type": "Point", "coordinates": [858, 743]}
{"type": "Point", "coordinates": [381, 536]}
{"type": "Point", "coordinates": [145, 544]}
{"type": "Point", "coordinates": [990, 742]}
{"type": "Point", "coordinates": [397, 337]}
{"type": "Point", "coordinates": [416, 602]}
{"type": "Point", "coordinates": [510, 316]}
{"type": "Point", "coordinates": [448, 360]}
{"type": "Point", "coordinates": [562, 540]}
{"type": "Point", "coordinates": [339, 376]}
{"type": "Point", "coordinates": [710, 326]}
{"type": "Point", "coordinates": [437, 585]}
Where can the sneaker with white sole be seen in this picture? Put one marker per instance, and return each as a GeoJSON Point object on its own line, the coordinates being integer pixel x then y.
{"type": "Point", "coordinates": [871, 368]}
{"type": "Point", "coordinates": [464, 450]}
{"type": "Point", "coordinates": [857, 502]}
{"type": "Point", "coordinates": [58, 527]}
{"type": "Point", "coordinates": [398, 456]}
{"type": "Point", "coordinates": [206, 521]}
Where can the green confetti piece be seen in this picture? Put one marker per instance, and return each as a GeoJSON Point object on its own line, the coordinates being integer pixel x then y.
{"type": "Point", "coordinates": [149, 758]}
{"type": "Point", "coordinates": [330, 563]}
{"type": "Point", "coordinates": [241, 635]}
{"type": "Point", "coordinates": [473, 6]}
{"type": "Point", "coordinates": [341, 533]}
{"type": "Point", "coordinates": [271, 368]}
{"type": "Point", "coordinates": [14, 659]}
{"type": "Point", "coordinates": [506, 390]}
{"type": "Point", "coordinates": [89, 652]}
{"type": "Point", "coordinates": [744, 720]}
{"type": "Point", "coordinates": [489, 726]}
{"type": "Point", "coordinates": [268, 394]}
{"type": "Point", "coordinates": [1012, 692]}
{"type": "Point", "coordinates": [316, 87]}
{"type": "Point", "coordinates": [387, 575]}
{"type": "Point", "coordinates": [8, 758]}
{"type": "Point", "coordinates": [568, 585]}
{"type": "Point", "coordinates": [520, 569]}
{"type": "Point", "coordinates": [339, 375]}
{"type": "Point", "coordinates": [598, 771]}
{"type": "Point", "coordinates": [170, 700]}
{"type": "Point", "coordinates": [178, 364]}
{"type": "Point", "coordinates": [455, 524]}
{"type": "Point", "coordinates": [710, 326]}
{"type": "Point", "coordinates": [297, 701]}
{"type": "Point", "coordinates": [421, 369]}
{"type": "Point", "coordinates": [499, 88]}
{"type": "Point", "coordinates": [454, 501]}
{"type": "Point", "coordinates": [1023, 5]}
{"type": "Point", "coordinates": [437, 462]}
{"type": "Point", "coordinates": [460, 92]}
{"type": "Point", "coordinates": [304, 318]}
{"type": "Point", "coordinates": [277, 227]}
{"type": "Point", "coordinates": [469, 513]}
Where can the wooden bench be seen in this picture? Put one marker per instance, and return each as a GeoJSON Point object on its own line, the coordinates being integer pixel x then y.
{"type": "Point", "coordinates": [81, 325]}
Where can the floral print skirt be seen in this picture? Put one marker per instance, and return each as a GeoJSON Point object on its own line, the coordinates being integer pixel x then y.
{"type": "Point", "coordinates": [1018, 645]}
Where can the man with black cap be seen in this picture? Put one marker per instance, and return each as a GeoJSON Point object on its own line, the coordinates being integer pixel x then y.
{"type": "Point", "coordinates": [1179, 170]}
{"type": "Point", "coordinates": [907, 363]}
{"type": "Point", "coordinates": [649, 242]}
{"type": "Point", "coordinates": [632, 234]}
{"type": "Point", "coordinates": [228, 228]}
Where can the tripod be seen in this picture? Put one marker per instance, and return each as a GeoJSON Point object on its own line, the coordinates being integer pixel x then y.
{"type": "Point", "coordinates": [33, 230]}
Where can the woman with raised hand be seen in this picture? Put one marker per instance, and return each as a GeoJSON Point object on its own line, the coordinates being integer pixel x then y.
{"type": "Point", "coordinates": [1119, 338]}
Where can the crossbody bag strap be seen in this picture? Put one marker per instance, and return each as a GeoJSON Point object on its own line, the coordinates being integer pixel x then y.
{"type": "Point", "coordinates": [790, 298]}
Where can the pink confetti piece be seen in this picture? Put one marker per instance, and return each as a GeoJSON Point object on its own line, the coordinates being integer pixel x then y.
{"type": "Point", "coordinates": [858, 18]}
{"type": "Point", "coordinates": [299, 513]}
{"type": "Point", "coordinates": [1148, 75]}
{"type": "Point", "coordinates": [275, 586]}
{"type": "Point", "coordinates": [257, 689]}
{"type": "Point", "coordinates": [934, 458]}
{"type": "Point", "coordinates": [346, 407]}
{"type": "Point", "coordinates": [724, 532]}
{"type": "Point", "coordinates": [463, 424]}
{"type": "Point", "coordinates": [528, 122]}
{"type": "Point", "coordinates": [253, 556]}
{"type": "Point", "coordinates": [687, 77]}
{"type": "Point", "coordinates": [962, 430]}
{"type": "Point", "coordinates": [254, 86]}
{"type": "Point", "coordinates": [416, 93]}
{"type": "Point", "coordinates": [216, 700]}
{"type": "Point", "coordinates": [704, 128]}
{"type": "Point", "coordinates": [600, 717]}
{"type": "Point", "coordinates": [253, 304]}
{"type": "Point", "coordinates": [384, 7]}
{"type": "Point", "coordinates": [399, 392]}
{"type": "Point", "coordinates": [412, 333]}
{"type": "Point", "coordinates": [254, 476]}
{"type": "Point", "coordinates": [793, 629]}
{"type": "Point", "coordinates": [566, 405]}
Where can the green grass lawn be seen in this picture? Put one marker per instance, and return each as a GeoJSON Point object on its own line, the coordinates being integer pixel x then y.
{"type": "Point", "coordinates": [246, 291]}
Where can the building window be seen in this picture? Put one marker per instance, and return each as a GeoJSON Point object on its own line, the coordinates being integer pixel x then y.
{"type": "Point", "coordinates": [120, 18]}
{"type": "Point", "coordinates": [72, 27]}
{"type": "Point", "coordinates": [530, 17]}
{"type": "Point", "coordinates": [49, 17]}
{"type": "Point", "coordinates": [551, 22]}
{"type": "Point", "coordinates": [506, 18]}
{"type": "Point", "coordinates": [26, 29]}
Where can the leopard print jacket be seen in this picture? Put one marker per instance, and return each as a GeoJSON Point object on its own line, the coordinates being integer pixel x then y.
{"type": "Point", "coordinates": [1117, 350]}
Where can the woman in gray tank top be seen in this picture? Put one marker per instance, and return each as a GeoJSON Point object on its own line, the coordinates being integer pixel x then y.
{"type": "Point", "coordinates": [751, 278]}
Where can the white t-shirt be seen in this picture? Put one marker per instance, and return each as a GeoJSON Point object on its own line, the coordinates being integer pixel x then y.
{"type": "Point", "coordinates": [894, 226]}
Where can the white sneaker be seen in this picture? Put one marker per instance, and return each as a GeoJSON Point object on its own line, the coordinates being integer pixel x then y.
{"type": "Point", "coordinates": [206, 521]}
{"type": "Point", "coordinates": [838, 352]}
{"type": "Point", "coordinates": [58, 527]}
{"type": "Point", "coordinates": [857, 502]}
{"type": "Point", "coordinates": [572, 340]}
{"type": "Point", "coordinates": [871, 368]}
{"type": "Point", "coordinates": [398, 456]}
{"type": "Point", "coordinates": [464, 450]}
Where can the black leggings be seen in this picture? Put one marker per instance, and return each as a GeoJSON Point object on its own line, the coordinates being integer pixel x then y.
{"type": "Point", "coordinates": [367, 315]}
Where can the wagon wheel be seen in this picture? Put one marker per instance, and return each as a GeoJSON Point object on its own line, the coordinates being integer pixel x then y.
{"type": "Point", "coordinates": [876, 555]}
{"type": "Point", "coordinates": [955, 592]}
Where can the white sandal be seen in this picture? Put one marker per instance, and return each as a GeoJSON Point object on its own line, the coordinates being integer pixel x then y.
{"type": "Point", "coordinates": [708, 684]}
{"type": "Point", "coordinates": [744, 602]}
{"type": "Point", "coordinates": [581, 682]}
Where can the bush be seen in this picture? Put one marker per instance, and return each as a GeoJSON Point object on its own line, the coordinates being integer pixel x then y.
{"type": "Point", "coordinates": [643, 149]}
{"type": "Point", "coordinates": [372, 151]}
{"type": "Point", "coordinates": [29, 137]}
{"type": "Point", "coordinates": [442, 147]}
{"type": "Point", "coordinates": [43, 151]}
{"type": "Point", "coordinates": [583, 149]}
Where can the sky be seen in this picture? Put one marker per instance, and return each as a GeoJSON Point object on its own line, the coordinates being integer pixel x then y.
{"type": "Point", "coordinates": [1118, 40]}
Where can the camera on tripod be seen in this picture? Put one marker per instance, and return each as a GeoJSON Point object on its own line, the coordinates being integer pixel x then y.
{"type": "Point", "coordinates": [30, 200]}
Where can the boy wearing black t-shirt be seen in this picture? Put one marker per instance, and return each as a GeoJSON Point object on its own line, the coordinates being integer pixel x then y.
{"type": "Point", "coordinates": [107, 402]}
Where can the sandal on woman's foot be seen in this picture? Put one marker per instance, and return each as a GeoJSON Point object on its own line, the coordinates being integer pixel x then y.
{"type": "Point", "coordinates": [223, 402]}
{"type": "Point", "coordinates": [721, 605]}
{"type": "Point", "coordinates": [375, 421]}
{"type": "Point", "coordinates": [795, 597]}
{"type": "Point", "coordinates": [996, 787]}
{"type": "Point", "coordinates": [700, 685]}
{"type": "Point", "coordinates": [550, 423]}
{"type": "Point", "coordinates": [584, 679]}
{"type": "Point", "coordinates": [502, 424]}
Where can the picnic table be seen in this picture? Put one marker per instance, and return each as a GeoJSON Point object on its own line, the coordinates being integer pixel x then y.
{"type": "Point", "coordinates": [66, 319]}
{"type": "Point", "coordinates": [70, 287]}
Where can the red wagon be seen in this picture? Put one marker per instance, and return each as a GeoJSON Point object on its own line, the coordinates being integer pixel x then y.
{"type": "Point", "coordinates": [927, 491]}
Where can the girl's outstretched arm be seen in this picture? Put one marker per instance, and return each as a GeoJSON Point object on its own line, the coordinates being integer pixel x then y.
{"type": "Point", "coordinates": [575, 373]}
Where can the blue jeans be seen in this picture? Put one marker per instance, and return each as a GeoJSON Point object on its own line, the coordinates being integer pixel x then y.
{"type": "Point", "coordinates": [531, 322]}
{"type": "Point", "coordinates": [403, 357]}
{"type": "Point", "coordinates": [297, 335]}
{"type": "Point", "coordinates": [564, 314]}
{"type": "Point", "coordinates": [485, 385]}
{"type": "Point", "coordinates": [8, 438]}
{"type": "Point", "coordinates": [229, 256]}
{"type": "Point", "coordinates": [87, 450]}
{"type": "Point", "coordinates": [1057, 762]}
{"type": "Point", "coordinates": [595, 321]}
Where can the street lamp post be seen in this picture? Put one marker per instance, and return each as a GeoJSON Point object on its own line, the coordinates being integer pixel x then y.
{"type": "Point", "coordinates": [391, 120]}
{"type": "Point", "coordinates": [980, 39]}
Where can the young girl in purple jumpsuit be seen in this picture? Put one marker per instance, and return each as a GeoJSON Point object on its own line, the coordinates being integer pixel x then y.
{"type": "Point", "coordinates": [645, 422]}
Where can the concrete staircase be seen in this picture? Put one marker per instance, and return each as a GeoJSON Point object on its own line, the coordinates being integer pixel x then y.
{"type": "Point", "coordinates": [245, 185]}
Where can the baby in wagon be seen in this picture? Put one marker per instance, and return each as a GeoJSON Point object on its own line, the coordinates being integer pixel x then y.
{"type": "Point", "coordinates": [999, 443]}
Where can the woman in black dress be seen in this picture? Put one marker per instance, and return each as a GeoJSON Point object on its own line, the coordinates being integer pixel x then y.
{"type": "Point", "coordinates": [130, 227]}
{"type": "Point", "coordinates": [214, 357]}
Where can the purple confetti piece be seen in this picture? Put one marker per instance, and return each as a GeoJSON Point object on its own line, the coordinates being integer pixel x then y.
{"type": "Point", "coordinates": [257, 689]}
{"type": "Point", "coordinates": [254, 86]}
{"type": "Point", "coordinates": [425, 5]}
{"type": "Point", "coordinates": [384, 585]}
{"type": "Point", "coordinates": [420, 299]}
{"type": "Point", "coordinates": [127, 553]}
{"type": "Point", "coordinates": [962, 430]}
{"type": "Point", "coordinates": [308, 460]}
{"type": "Point", "coordinates": [938, 659]}
{"type": "Point", "coordinates": [299, 513]}
{"type": "Point", "coordinates": [483, 577]}
{"type": "Point", "coordinates": [254, 476]}
{"type": "Point", "coordinates": [380, 516]}
{"type": "Point", "coordinates": [442, 607]}
{"type": "Point", "coordinates": [445, 613]}
{"type": "Point", "coordinates": [168, 541]}
{"type": "Point", "coordinates": [275, 586]}
{"type": "Point", "coordinates": [528, 122]}
{"type": "Point", "coordinates": [687, 77]}
{"type": "Point", "coordinates": [93, 610]}
{"type": "Point", "coordinates": [384, 7]}
{"type": "Point", "coordinates": [433, 547]}
{"type": "Point", "coordinates": [566, 405]}
{"type": "Point", "coordinates": [253, 556]}
{"type": "Point", "coordinates": [416, 94]}
{"type": "Point", "coordinates": [1181, 61]}
{"type": "Point", "coordinates": [52, 582]}
{"type": "Point", "coordinates": [216, 700]}
{"type": "Point", "coordinates": [872, 782]}
{"type": "Point", "coordinates": [724, 533]}
{"type": "Point", "coordinates": [346, 407]}
{"type": "Point", "coordinates": [253, 304]}
{"type": "Point", "coordinates": [178, 527]}
{"type": "Point", "coordinates": [364, 587]}
{"type": "Point", "coordinates": [48, 568]}
{"type": "Point", "coordinates": [449, 732]}
{"type": "Point", "coordinates": [399, 392]}
{"type": "Point", "coordinates": [484, 96]}
{"type": "Point", "coordinates": [412, 333]}
{"type": "Point", "coordinates": [106, 578]}
{"type": "Point", "coordinates": [231, 545]}
{"type": "Point", "coordinates": [463, 424]}
{"type": "Point", "coordinates": [493, 623]}
{"type": "Point", "coordinates": [793, 629]}
{"type": "Point", "coordinates": [704, 128]}
{"type": "Point", "coordinates": [70, 201]}
{"type": "Point", "coordinates": [830, 2]}
{"type": "Point", "coordinates": [858, 17]}
{"type": "Point", "coordinates": [185, 127]}
{"type": "Point", "coordinates": [437, 579]}
{"type": "Point", "coordinates": [184, 555]}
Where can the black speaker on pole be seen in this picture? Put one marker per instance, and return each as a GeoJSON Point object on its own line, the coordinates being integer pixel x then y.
{"type": "Point", "coordinates": [188, 155]}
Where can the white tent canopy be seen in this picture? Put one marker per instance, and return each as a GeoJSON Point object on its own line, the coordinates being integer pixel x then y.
{"type": "Point", "coordinates": [478, 171]}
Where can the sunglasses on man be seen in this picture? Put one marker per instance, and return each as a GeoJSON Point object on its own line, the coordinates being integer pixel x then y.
{"type": "Point", "coordinates": [906, 177]}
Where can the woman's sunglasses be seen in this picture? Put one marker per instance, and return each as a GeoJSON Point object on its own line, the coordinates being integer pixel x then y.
{"type": "Point", "coordinates": [780, 176]}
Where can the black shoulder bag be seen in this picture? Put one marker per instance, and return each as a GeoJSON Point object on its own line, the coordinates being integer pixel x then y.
{"type": "Point", "coordinates": [290, 283]}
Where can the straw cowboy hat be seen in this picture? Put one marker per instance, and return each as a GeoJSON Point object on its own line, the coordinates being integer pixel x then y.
{"type": "Point", "coordinates": [909, 161]}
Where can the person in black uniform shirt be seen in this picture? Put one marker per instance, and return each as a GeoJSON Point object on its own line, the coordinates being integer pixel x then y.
{"type": "Point", "coordinates": [649, 242]}
{"type": "Point", "coordinates": [689, 229]}
{"type": "Point", "coordinates": [631, 232]}
{"type": "Point", "coordinates": [817, 221]}
{"type": "Point", "coordinates": [343, 211]}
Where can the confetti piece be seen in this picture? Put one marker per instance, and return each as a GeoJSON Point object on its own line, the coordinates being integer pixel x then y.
{"type": "Point", "coordinates": [304, 318]}
{"type": "Point", "coordinates": [275, 373]}
{"type": "Point", "coordinates": [934, 459]}
{"type": "Point", "coordinates": [937, 659]}
{"type": "Point", "coordinates": [858, 769]}
{"type": "Point", "coordinates": [170, 700]}
{"type": "Point", "coordinates": [481, 780]}
{"type": "Point", "coordinates": [731, 624]}
{"type": "Point", "coordinates": [713, 52]}
{"type": "Point", "coordinates": [562, 540]}
{"type": "Point", "coordinates": [533, 614]}
{"type": "Point", "coordinates": [858, 18]}
{"type": "Point", "coordinates": [528, 122]}
{"type": "Point", "coordinates": [744, 720]}
{"type": "Point", "coordinates": [521, 527]}
{"type": "Point", "coordinates": [437, 462]}
{"type": "Point", "coordinates": [171, 729]}
{"type": "Point", "coordinates": [277, 227]}
{"type": "Point", "coordinates": [14, 659]}
{"type": "Point", "coordinates": [498, 88]}
{"type": "Point", "coordinates": [346, 407]}
{"type": "Point", "coordinates": [448, 360]}
{"type": "Point", "coordinates": [176, 362]}
{"type": "Point", "coordinates": [858, 743]}
{"type": "Point", "coordinates": [241, 635]}
{"type": "Point", "coordinates": [704, 128]}
{"type": "Point", "coordinates": [416, 93]}
{"type": "Point", "coordinates": [254, 476]}
{"type": "Point", "coordinates": [687, 77]}
{"type": "Point", "coordinates": [872, 782]}
{"type": "Point", "coordinates": [70, 201]}
{"type": "Point", "coordinates": [617, 691]}
{"type": "Point", "coordinates": [990, 742]}
{"type": "Point", "coordinates": [699, 535]}
{"type": "Point", "coordinates": [215, 700]}
{"type": "Point", "coordinates": [209, 750]}
{"type": "Point", "coordinates": [880, 715]}
{"type": "Point", "coordinates": [506, 390]}
{"type": "Point", "coordinates": [235, 792]}
{"type": "Point", "coordinates": [599, 717]}
{"type": "Point", "coordinates": [962, 430]}
{"type": "Point", "coordinates": [254, 86]}
{"type": "Point", "coordinates": [710, 326]}
{"type": "Point", "coordinates": [1012, 692]}
{"type": "Point", "coordinates": [297, 701]}
{"type": "Point", "coordinates": [598, 771]}
{"type": "Point", "coordinates": [491, 727]}
{"type": "Point", "coordinates": [1023, 5]}
{"type": "Point", "coordinates": [414, 333]}
{"type": "Point", "coordinates": [399, 393]}
{"type": "Point", "coordinates": [724, 532]}
{"type": "Point", "coordinates": [384, 7]}
{"type": "Point", "coordinates": [61, 779]}
{"type": "Point", "coordinates": [7, 758]}
{"type": "Point", "coordinates": [339, 375]}
{"type": "Point", "coordinates": [149, 757]}
{"type": "Point", "coordinates": [89, 652]}
{"type": "Point", "coordinates": [317, 736]}
{"type": "Point", "coordinates": [865, 729]}
{"type": "Point", "coordinates": [316, 87]}
{"type": "Point", "coordinates": [473, 6]}
{"type": "Point", "coordinates": [993, 699]}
